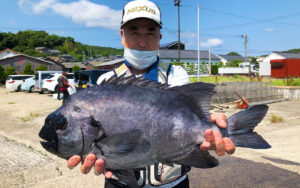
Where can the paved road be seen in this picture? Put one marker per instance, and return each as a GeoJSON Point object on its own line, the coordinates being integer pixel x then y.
{"type": "Point", "coordinates": [236, 172]}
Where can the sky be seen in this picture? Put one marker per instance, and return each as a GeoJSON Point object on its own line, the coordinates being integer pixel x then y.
{"type": "Point", "coordinates": [271, 25]}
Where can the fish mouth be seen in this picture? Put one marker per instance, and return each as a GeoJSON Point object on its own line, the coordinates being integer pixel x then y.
{"type": "Point", "coordinates": [50, 140]}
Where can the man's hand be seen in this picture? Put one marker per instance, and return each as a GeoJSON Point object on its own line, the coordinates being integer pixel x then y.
{"type": "Point", "coordinates": [214, 139]}
{"type": "Point", "coordinates": [88, 164]}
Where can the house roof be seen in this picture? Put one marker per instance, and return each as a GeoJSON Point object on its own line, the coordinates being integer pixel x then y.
{"type": "Point", "coordinates": [185, 54]}
{"type": "Point", "coordinates": [19, 55]}
{"type": "Point", "coordinates": [232, 57]}
{"type": "Point", "coordinates": [289, 55]}
{"type": "Point", "coordinates": [168, 45]}
{"type": "Point", "coordinates": [7, 49]}
{"type": "Point", "coordinates": [71, 65]}
{"type": "Point", "coordinates": [112, 62]}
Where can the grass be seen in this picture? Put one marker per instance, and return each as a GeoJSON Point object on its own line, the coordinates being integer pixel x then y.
{"type": "Point", "coordinates": [222, 79]}
{"type": "Point", "coordinates": [238, 78]}
{"type": "Point", "coordinates": [11, 102]}
{"type": "Point", "coordinates": [276, 118]}
{"type": "Point", "coordinates": [31, 116]}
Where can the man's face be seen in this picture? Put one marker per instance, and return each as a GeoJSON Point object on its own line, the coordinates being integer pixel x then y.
{"type": "Point", "coordinates": [141, 34]}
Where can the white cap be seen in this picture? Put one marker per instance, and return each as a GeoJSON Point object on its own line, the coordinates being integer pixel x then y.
{"type": "Point", "coordinates": [141, 9]}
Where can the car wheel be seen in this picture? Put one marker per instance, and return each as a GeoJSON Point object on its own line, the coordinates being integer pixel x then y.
{"type": "Point", "coordinates": [31, 89]}
{"type": "Point", "coordinates": [19, 88]}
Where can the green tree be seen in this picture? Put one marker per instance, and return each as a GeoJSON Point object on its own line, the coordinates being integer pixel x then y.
{"type": "Point", "coordinates": [3, 75]}
{"type": "Point", "coordinates": [28, 69]}
{"type": "Point", "coordinates": [42, 68]}
{"type": "Point", "coordinates": [75, 68]}
{"type": "Point", "coordinates": [233, 53]}
{"type": "Point", "coordinates": [10, 70]}
{"type": "Point", "coordinates": [234, 63]}
{"type": "Point", "coordinates": [214, 69]}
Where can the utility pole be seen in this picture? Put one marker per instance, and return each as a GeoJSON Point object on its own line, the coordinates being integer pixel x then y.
{"type": "Point", "coordinates": [209, 60]}
{"type": "Point", "coordinates": [198, 42]}
{"type": "Point", "coordinates": [246, 41]}
{"type": "Point", "coordinates": [177, 3]}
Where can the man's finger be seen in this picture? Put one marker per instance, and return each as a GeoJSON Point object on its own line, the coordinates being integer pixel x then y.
{"type": "Point", "coordinates": [108, 174]}
{"type": "Point", "coordinates": [73, 161]}
{"type": "Point", "coordinates": [88, 163]}
{"type": "Point", "coordinates": [205, 146]}
{"type": "Point", "coordinates": [220, 120]}
{"type": "Point", "coordinates": [219, 144]}
{"type": "Point", "coordinates": [209, 135]}
{"type": "Point", "coordinates": [229, 146]}
{"type": "Point", "coordinates": [99, 166]}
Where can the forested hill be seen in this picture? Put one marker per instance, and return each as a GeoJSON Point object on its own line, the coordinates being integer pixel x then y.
{"type": "Point", "coordinates": [293, 51]}
{"type": "Point", "coordinates": [27, 41]}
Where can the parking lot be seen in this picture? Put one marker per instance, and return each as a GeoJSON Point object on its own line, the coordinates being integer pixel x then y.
{"type": "Point", "coordinates": [24, 163]}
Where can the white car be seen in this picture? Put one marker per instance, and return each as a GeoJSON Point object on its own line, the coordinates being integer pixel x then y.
{"type": "Point", "coordinates": [14, 82]}
{"type": "Point", "coordinates": [50, 84]}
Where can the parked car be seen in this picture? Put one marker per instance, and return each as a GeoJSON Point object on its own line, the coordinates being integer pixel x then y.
{"type": "Point", "coordinates": [50, 84]}
{"type": "Point", "coordinates": [40, 76]}
{"type": "Point", "coordinates": [28, 84]}
{"type": "Point", "coordinates": [87, 78]}
{"type": "Point", "coordinates": [14, 82]}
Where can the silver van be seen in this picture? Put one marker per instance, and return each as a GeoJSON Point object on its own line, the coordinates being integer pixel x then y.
{"type": "Point", "coordinates": [40, 76]}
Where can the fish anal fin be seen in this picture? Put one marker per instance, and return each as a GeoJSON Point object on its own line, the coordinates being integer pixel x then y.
{"type": "Point", "coordinates": [198, 159]}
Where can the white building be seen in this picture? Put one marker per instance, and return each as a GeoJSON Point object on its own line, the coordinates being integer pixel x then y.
{"type": "Point", "coordinates": [265, 65]}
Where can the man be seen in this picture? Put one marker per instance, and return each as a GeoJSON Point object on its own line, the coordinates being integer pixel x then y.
{"type": "Point", "coordinates": [63, 86]}
{"type": "Point", "coordinates": [140, 34]}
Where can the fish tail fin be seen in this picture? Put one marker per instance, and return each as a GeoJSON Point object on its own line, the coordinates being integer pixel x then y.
{"type": "Point", "coordinates": [240, 128]}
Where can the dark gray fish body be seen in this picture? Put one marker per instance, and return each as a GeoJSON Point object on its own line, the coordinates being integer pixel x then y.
{"type": "Point", "coordinates": [132, 126]}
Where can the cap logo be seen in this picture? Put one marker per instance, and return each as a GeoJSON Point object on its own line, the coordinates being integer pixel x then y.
{"type": "Point", "coordinates": [141, 8]}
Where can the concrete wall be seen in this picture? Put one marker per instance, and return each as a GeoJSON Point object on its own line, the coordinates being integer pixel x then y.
{"type": "Point", "coordinates": [289, 92]}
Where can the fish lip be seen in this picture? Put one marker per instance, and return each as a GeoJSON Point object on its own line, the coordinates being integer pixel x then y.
{"type": "Point", "coordinates": [51, 147]}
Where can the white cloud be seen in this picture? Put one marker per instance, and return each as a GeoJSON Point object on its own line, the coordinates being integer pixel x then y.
{"type": "Point", "coordinates": [269, 30]}
{"type": "Point", "coordinates": [83, 12]}
{"type": "Point", "coordinates": [188, 35]}
{"type": "Point", "coordinates": [211, 43]}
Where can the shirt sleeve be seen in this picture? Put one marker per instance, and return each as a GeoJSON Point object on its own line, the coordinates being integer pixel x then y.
{"type": "Point", "coordinates": [178, 76]}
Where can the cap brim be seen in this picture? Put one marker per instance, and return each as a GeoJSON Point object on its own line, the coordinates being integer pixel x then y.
{"type": "Point", "coordinates": [158, 23]}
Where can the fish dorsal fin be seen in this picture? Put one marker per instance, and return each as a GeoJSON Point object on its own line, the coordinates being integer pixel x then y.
{"type": "Point", "coordinates": [198, 96]}
{"type": "Point", "coordinates": [131, 80]}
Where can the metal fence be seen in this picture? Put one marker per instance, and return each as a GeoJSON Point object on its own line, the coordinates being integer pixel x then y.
{"type": "Point", "coordinates": [253, 91]}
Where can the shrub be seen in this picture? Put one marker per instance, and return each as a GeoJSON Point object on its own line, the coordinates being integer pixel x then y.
{"type": "Point", "coordinates": [276, 119]}
{"type": "Point", "coordinates": [42, 68]}
{"type": "Point", "coordinates": [28, 69]}
{"type": "Point", "coordinates": [75, 68]}
{"type": "Point", "coordinates": [3, 75]}
{"type": "Point", "coordinates": [10, 71]}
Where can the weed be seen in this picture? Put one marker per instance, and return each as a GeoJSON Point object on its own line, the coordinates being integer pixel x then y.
{"type": "Point", "coordinates": [31, 116]}
{"type": "Point", "coordinates": [276, 118]}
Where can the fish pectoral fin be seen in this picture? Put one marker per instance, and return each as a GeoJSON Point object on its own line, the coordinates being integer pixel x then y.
{"type": "Point", "coordinates": [126, 178]}
{"type": "Point", "coordinates": [198, 159]}
{"type": "Point", "coordinates": [124, 143]}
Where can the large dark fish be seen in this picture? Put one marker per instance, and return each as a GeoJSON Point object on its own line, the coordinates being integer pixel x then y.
{"type": "Point", "coordinates": [133, 123]}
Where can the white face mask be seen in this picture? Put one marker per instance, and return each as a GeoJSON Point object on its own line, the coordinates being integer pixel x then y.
{"type": "Point", "coordinates": [140, 59]}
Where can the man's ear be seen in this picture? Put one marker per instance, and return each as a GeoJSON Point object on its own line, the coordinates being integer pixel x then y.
{"type": "Point", "coordinates": [122, 37]}
{"type": "Point", "coordinates": [160, 36]}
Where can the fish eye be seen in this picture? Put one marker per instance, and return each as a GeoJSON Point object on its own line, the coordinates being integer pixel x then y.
{"type": "Point", "coordinates": [76, 108]}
